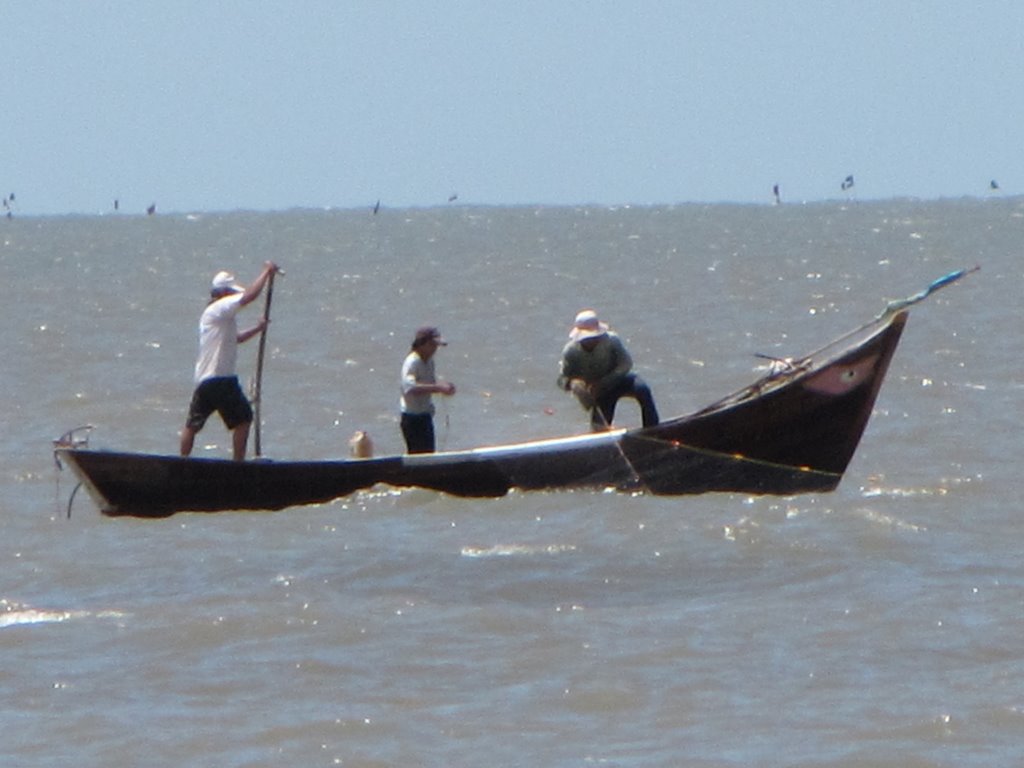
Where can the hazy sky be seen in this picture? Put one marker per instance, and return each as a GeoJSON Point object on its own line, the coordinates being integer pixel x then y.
{"type": "Point", "coordinates": [220, 105]}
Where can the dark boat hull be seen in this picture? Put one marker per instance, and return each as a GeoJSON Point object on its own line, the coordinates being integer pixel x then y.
{"type": "Point", "coordinates": [790, 432]}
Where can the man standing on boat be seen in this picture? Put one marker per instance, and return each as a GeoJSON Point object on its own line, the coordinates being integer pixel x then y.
{"type": "Point", "coordinates": [419, 383]}
{"type": "Point", "coordinates": [217, 388]}
{"type": "Point", "coordinates": [597, 369]}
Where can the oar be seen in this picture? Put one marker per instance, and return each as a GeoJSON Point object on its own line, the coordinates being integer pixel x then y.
{"type": "Point", "coordinates": [258, 386]}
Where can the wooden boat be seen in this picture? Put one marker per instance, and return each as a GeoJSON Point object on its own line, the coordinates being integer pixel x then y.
{"type": "Point", "coordinates": [792, 431]}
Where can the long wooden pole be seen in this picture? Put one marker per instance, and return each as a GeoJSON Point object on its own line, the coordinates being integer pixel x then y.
{"type": "Point", "coordinates": [258, 387]}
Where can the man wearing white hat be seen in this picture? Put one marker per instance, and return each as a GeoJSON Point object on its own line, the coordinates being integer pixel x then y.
{"type": "Point", "coordinates": [217, 388]}
{"type": "Point", "coordinates": [597, 369]}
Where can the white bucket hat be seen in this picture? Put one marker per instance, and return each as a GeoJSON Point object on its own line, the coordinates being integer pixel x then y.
{"type": "Point", "coordinates": [587, 326]}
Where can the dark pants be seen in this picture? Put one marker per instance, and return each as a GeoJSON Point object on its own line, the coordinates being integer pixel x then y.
{"type": "Point", "coordinates": [223, 395]}
{"type": "Point", "coordinates": [418, 431]}
{"type": "Point", "coordinates": [632, 386]}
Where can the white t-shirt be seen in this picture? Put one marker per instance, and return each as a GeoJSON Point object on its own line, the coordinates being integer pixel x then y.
{"type": "Point", "coordinates": [416, 370]}
{"type": "Point", "coordinates": [218, 338]}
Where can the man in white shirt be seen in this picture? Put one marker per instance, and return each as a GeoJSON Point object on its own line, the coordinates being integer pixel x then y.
{"type": "Point", "coordinates": [217, 388]}
{"type": "Point", "coordinates": [419, 383]}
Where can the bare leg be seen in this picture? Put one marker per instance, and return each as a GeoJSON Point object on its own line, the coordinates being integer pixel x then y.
{"type": "Point", "coordinates": [188, 436]}
{"type": "Point", "coordinates": [239, 439]}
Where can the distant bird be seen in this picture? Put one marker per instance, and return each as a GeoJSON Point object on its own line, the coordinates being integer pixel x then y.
{"type": "Point", "coordinates": [151, 210]}
{"type": "Point", "coordinates": [775, 191]}
{"type": "Point", "coordinates": [452, 198]}
{"type": "Point", "coordinates": [116, 204]}
{"type": "Point", "coordinates": [993, 184]}
{"type": "Point", "coordinates": [376, 208]}
{"type": "Point", "coordinates": [847, 183]}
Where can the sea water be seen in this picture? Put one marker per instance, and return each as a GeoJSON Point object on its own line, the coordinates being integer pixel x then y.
{"type": "Point", "coordinates": [882, 624]}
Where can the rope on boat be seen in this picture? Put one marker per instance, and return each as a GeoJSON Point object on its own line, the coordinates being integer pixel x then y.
{"type": "Point", "coordinates": [637, 478]}
{"type": "Point", "coordinates": [738, 457]}
{"type": "Point", "coordinates": [78, 437]}
{"type": "Point", "coordinates": [71, 498]}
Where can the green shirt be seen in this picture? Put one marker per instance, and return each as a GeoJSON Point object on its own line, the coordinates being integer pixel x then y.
{"type": "Point", "coordinates": [604, 365]}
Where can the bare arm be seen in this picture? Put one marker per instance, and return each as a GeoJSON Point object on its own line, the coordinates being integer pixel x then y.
{"type": "Point", "coordinates": [569, 369]}
{"type": "Point", "coordinates": [255, 288]}
{"type": "Point", "coordinates": [244, 336]}
{"type": "Point", "coordinates": [440, 388]}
